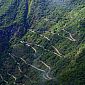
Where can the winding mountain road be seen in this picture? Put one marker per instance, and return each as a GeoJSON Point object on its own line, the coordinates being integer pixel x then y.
{"type": "Point", "coordinates": [45, 74]}
{"type": "Point", "coordinates": [70, 36]}
{"type": "Point", "coordinates": [18, 64]}
{"type": "Point", "coordinates": [49, 69]}
{"type": "Point", "coordinates": [30, 44]}
{"type": "Point", "coordinates": [13, 77]}
{"type": "Point", "coordinates": [56, 50]}
{"type": "Point", "coordinates": [3, 79]}
{"type": "Point", "coordinates": [45, 37]}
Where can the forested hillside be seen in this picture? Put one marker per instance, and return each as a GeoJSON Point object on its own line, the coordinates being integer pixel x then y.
{"type": "Point", "coordinates": [42, 42]}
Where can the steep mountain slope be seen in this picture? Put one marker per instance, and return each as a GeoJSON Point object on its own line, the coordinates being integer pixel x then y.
{"type": "Point", "coordinates": [43, 42]}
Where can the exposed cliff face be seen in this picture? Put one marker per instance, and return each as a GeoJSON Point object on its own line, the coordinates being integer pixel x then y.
{"type": "Point", "coordinates": [42, 42]}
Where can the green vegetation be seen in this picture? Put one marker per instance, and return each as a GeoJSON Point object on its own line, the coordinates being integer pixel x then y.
{"type": "Point", "coordinates": [54, 34]}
